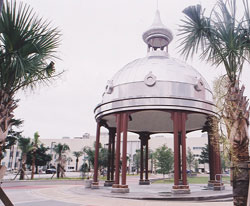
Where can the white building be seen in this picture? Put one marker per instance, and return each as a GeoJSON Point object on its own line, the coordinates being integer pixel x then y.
{"type": "Point", "coordinates": [194, 142]}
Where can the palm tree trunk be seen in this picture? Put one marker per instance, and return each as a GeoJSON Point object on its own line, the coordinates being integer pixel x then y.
{"type": "Point", "coordinates": [58, 169]}
{"type": "Point", "coordinates": [1, 151]}
{"type": "Point", "coordinates": [62, 172]}
{"type": "Point", "coordinates": [23, 167]}
{"type": "Point", "coordinates": [33, 165]}
{"type": "Point", "coordinates": [7, 105]}
{"type": "Point", "coordinates": [237, 126]}
{"type": "Point", "coordinates": [36, 170]}
{"type": "Point", "coordinates": [77, 164]}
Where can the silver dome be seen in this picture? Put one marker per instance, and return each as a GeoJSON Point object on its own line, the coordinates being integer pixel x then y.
{"type": "Point", "coordinates": [152, 87]}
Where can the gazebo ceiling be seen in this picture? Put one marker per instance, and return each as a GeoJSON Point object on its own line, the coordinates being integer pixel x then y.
{"type": "Point", "coordinates": [156, 121]}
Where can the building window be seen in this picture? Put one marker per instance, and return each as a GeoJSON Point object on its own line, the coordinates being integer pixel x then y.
{"type": "Point", "coordinates": [196, 148]}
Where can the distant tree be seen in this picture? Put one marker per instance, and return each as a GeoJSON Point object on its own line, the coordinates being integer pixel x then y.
{"type": "Point", "coordinates": [90, 155]}
{"type": "Point", "coordinates": [151, 157]}
{"type": "Point", "coordinates": [84, 169]}
{"type": "Point", "coordinates": [196, 165]}
{"type": "Point", "coordinates": [225, 162]}
{"type": "Point", "coordinates": [41, 157]}
{"type": "Point", "coordinates": [204, 157]}
{"type": "Point", "coordinates": [164, 159]}
{"type": "Point", "coordinates": [25, 146]}
{"type": "Point", "coordinates": [35, 143]}
{"type": "Point", "coordinates": [137, 160]}
{"type": "Point", "coordinates": [190, 159]}
{"type": "Point", "coordinates": [77, 155]}
{"type": "Point", "coordinates": [103, 157]}
{"type": "Point", "coordinates": [60, 150]}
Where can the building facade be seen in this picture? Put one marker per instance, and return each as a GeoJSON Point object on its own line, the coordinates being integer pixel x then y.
{"type": "Point", "coordinates": [12, 157]}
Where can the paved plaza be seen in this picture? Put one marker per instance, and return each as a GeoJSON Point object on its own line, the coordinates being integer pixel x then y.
{"type": "Point", "coordinates": [73, 193]}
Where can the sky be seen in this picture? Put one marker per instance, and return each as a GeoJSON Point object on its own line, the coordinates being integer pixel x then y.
{"type": "Point", "coordinates": [98, 39]}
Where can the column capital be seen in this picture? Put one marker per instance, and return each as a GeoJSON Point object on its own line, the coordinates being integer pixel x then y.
{"type": "Point", "coordinates": [144, 137]}
{"type": "Point", "coordinates": [103, 123]}
{"type": "Point", "coordinates": [112, 130]}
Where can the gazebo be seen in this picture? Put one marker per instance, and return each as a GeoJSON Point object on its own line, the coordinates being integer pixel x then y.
{"type": "Point", "coordinates": [150, 95]}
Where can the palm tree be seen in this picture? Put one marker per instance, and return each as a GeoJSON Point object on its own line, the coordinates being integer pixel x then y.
{"type": "Point", "coordinates": [60, 150]}
{"type": "Point", "coordinates": [222, 39]}
{"type": "Point", "coordinates": [25, 146]}
{"type": "Point", "coordinates": [77, 155]}
{"type": "Point", "coordinates": [27, 48]}
{"type": "Point", "coordinates": [90, 155]}
{"type": "Point", "coordinates": [34, 149]}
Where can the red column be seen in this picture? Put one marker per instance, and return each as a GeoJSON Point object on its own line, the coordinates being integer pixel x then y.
{"type": "Point", "coordinates": [109, 156]}
{"type": "Point", "coordinates": [97, 153]}
{"type": "Point", "coordinates": [141, 159]}
{"type": "Point", "coordinates": [124, 149]}
{"type": "Point", "coordinates": [146, 159]}
{"type": "Point", "coordinates": [113, 154]}
{"type": "Point", "coordinates": [176, 149]}
{"type": "Point", "coordinates": [183, 132]}
{"type": "Point", "coordinates": [117, 157]}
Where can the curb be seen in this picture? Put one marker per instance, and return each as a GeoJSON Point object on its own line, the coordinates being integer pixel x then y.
{"type": "Point", "coordinates": [218, 197]}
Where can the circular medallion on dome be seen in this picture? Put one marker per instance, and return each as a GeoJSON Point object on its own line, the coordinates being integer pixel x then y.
{"type": "Point", "coordinates": [150, 79]}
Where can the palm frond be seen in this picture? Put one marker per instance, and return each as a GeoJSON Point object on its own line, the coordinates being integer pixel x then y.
{"type": "Point", "coordinates": [27, 47]}
{"type": "Point", "coordinates": [219, 38]}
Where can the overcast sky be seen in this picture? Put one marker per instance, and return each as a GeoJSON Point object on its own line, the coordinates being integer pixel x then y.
{"type": "Point", "coordinates": [98, 38]}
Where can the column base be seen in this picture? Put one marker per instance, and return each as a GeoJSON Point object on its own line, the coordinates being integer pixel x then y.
{"type": "Point", "coordinates": [95, 185]}
{"type": "Point", "coordinates": [119, 188]}
{"type": "Point", "coordinates": [210, 184]}
{"type": "Point", "coordinates": [215, 185]}
{"type": "Point", "coordinates": [144, 182]}
{"type": "Point", "coordinates": [219, 186]}
{"type": "Point", "coordinates": [180, 189]}
{"type": "Point", "coordinates": [108, 183]}
{"type": "Point", "coordinates": [88, 183]}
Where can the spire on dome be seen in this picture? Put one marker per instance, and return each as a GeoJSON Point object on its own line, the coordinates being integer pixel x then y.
{"type": "Point", "coordinates": [158, 35]}
{"type": "Point", "coordinates": [157, 19]}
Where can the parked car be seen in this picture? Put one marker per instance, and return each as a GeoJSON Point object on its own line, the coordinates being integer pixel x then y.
{"type": "Point", "coordinates": [50, 171]}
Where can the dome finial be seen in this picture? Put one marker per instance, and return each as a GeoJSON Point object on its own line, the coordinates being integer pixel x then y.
{"type": "Point", "coordinates": [158, 35]}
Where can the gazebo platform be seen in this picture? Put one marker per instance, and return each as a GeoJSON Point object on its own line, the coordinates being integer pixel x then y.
{"type": "Point", "coordinates": [199, 192]}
